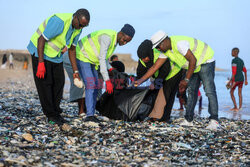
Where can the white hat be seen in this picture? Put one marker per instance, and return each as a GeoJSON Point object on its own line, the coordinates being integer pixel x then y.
{"type": "Point", "coordinates": [158, 37]}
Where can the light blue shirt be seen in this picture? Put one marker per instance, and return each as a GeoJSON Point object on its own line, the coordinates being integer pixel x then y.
{"type": "Point", "coordinates": [54, 28]}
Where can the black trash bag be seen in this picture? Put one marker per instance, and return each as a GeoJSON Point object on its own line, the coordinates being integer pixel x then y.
{"type": "Point", "coordinates": [147, 105]}
{"type": "Point", "coordinates": [120, 80]}
{"type": "Point", "coordinates": [128, 104]}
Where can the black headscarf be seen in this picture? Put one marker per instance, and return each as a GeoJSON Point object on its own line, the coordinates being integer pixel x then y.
{"type": "Point", "coordinates": [118, 65]}
{"type": "Point", "coordinates": [145, 50]}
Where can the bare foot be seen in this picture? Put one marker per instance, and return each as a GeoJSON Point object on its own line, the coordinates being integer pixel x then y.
{"type": "Point", "coordinates": [80, 112]}
{"type": "Point", "coordinates": [234, 109]}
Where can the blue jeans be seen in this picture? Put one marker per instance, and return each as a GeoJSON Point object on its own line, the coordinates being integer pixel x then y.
{"type": "Point", "coordinates": [90, 79]}
{"type": "Point", "coordinates": [206, 75]}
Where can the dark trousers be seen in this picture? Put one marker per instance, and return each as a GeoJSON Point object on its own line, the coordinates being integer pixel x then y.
{"type": "Point", "coordinates": [206, 76]}
{"type": "Point", "coordinates": [50, 88]}
{"type": "Point", "coordinates": [170, 88]}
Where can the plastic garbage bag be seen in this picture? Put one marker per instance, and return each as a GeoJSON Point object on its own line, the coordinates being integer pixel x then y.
{"type": "Point", "coordinates": [128, 104]}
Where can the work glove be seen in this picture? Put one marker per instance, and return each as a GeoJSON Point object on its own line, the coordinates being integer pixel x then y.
{"type": "Point", "coordinates": [109, 87]}
{"type": "Point", "coordinates": [111, 69]}
{"type": "Point", "coordinates": [40, 70]}
{"type": "Point", "coordinates": [77, 81]}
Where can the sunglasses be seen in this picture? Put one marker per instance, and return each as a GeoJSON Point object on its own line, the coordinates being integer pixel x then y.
{"type": "Point", "coordinates": [81, 25]}
{"type": "Point", "coordinates": [159, 45]}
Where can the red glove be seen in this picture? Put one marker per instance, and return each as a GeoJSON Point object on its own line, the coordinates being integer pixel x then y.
{"type": "Point", "coordinates": [40, 70]}
{"type": "Point", "coordinates": [111, 69]}
{"type": "Point", "coordinates": [109, 87]}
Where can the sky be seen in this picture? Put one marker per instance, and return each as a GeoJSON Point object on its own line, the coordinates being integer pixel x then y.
{"type": "Point", "coordinates": [223, 24]}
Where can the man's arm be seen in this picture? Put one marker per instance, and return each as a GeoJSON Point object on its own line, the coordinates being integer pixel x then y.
{"type": "Point", "coordinates": [105, 42]}
{"type": "Point", "coordinates": [54, 28]}
{"type": "Point", "coordinates": [72, 58]}
{"type": "Point", "coordinates": [245, 72]}
{"type": "Point", "coordinates": [40, 48]}
{"type": "Point", "coordinates": [164, 70]}
{"type": "Point", "coordinates": [152, 70]}
{"type": "Point", "coordinates": [41, 70]}
{"type": "Point", "coordinates": [192, 63]}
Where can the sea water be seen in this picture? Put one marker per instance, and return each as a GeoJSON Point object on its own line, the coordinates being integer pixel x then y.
{"type": "Point", "coordinates": [224, 99]}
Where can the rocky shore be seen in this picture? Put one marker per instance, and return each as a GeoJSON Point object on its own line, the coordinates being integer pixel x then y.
{"type": "Point", "coordinates": [26, 139]}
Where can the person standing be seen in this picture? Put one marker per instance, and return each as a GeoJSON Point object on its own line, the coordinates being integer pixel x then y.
{"type": "Point", "coordinates": [25, 63]}
{"type": "Point", "coordinates": [46, 47]}
{"type": "Point", "coordinates": [4, 61]}
{"type": "Point", "coordinates": [94, 50]}
{"type": "Point", "coordinates": [182, 96]}
{"type": "Point", "coordinates": [200, 101]}
{"type": "Point", "coordinates": [237, 79]}
{"type": "Point", "coordinates": [11, 66]}
{"type": "Point", "coordinates": [76, 94]}
{"type": "Point", "coordinates": [195, 56]}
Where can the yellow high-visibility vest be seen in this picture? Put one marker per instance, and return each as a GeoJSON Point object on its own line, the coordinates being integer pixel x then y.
{"type": "Point", "coordinates": [174, 68]}
{"type": "Point", "coordinates": [88, 48]}
{"type": "Point", "coordinates": [201, 51]}
{"type": "Point", "coordinates": [54, 46]}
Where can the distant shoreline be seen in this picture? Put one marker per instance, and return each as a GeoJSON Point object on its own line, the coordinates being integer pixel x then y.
{"type": "Point", "coordinates": [220, 69]}
{"type": "Point", "coordinates": [127, 58]}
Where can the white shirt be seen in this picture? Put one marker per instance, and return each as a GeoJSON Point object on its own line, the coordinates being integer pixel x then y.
{"type": "Point", "coordinates": [105, 42]}
{"type": "Point", "coordinates": [182, 47]}
{"type": "Point", "coordinates": [11, 58]}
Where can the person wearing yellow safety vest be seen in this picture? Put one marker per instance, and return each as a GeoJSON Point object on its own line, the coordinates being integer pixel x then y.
{"type": "Point", "coordinates": [54, 35]}
{"type": "Point", "coordinates": [169, 81]}
{"type": "Point", "coordinates": [94, 50]}
{"type": "Point", "coordinates": [197, 57]}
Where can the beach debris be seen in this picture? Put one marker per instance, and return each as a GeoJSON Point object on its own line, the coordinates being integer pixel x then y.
{"type": "Point", "coordinates": [66, 127]}
{"type": "Point", "coordinates": [26, 139]}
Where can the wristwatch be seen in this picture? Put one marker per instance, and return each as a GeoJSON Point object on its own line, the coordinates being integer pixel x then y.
{"type": "Point", "coordinates": [187, 80]}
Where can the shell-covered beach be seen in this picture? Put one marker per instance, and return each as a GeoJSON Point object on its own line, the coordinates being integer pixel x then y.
{"type": "Point", "coordinates": [28, 140]}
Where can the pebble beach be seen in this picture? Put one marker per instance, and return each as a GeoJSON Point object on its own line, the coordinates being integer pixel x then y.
{"type": "Point", "coordinates": [26, 139]}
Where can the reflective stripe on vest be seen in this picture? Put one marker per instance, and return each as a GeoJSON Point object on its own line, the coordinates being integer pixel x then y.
{"type": "Point", "coordinates": [204, 51]}
{"type": "Point", "coordinates": [82, 49]}
{"type": "Point", "coordinates": [88, 48]}
{"type": "Point", "coordinates": [92, 44]}
{"type": "Point", "coordinates": [157, 72]}
{"type": "Point", "coordinates": [193, 51]}
{"type": "Point", "coordinates": [142, 62]}
{"type": "Point", "coordinates": [49, 42]}
{"type": "Point", "coordinates": [54, 46]}
{"type": "Point", "coordinates": [173, 66]}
